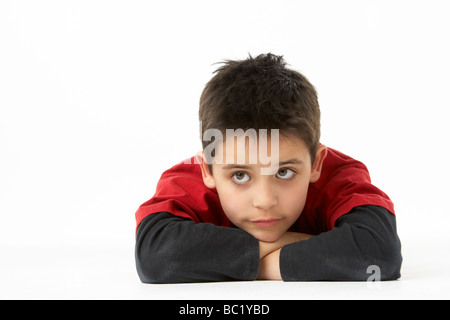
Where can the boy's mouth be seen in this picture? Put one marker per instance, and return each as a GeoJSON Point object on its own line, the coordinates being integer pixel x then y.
{"type": "Point", "coordinates": [266, 222]}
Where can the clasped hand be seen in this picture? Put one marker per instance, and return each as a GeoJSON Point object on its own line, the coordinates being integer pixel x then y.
{"type": "Point", "coordinates": [269, 254]}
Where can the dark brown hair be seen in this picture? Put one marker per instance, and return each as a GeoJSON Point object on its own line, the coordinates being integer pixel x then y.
{"type": "Point", "coordinates": [261, 93]}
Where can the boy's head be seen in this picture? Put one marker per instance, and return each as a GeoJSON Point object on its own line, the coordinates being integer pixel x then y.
{"type": "Point", "coordinates": [261, 93]}
{"type": "Point", "coordinates": [254, 95]}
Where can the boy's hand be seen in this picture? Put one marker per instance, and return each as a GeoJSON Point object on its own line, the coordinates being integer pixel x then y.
{"type": "Point", "coordinates": [269, 254]}
{"type": "Point", "coordinates": [266, 248]}
{"type": "Point", "coordinates": [269, 267]}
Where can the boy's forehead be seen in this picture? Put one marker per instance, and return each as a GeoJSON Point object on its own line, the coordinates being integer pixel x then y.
{"type": "Point", "coordinates": [251, 150]}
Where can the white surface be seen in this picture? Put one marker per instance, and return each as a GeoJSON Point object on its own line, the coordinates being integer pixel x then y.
{"type": "Point", "coordinates": [109, 273]}
{"type": "Point", "coordinates": [97, 98]}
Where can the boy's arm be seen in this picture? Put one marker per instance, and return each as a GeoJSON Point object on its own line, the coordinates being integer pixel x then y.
{"type": "Point", "coordinates": [363, 238]}
{"type": "Point", "coordinates": [170, 249]}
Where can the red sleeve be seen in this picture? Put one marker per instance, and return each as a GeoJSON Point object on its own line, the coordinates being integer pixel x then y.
{"type": "Point", "coordinates": [343, 185]}
{"type": "Point", "coordinates": [181, 192]}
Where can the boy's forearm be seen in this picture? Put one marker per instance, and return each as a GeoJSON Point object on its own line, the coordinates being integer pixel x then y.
{"type": "Point", "coordinates": [363, 238]}
{"type": "Point", "coordinates": [170, 249]}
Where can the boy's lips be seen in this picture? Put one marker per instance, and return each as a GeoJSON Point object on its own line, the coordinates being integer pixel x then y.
{"type": "Point", "coordinates": [266, 222]}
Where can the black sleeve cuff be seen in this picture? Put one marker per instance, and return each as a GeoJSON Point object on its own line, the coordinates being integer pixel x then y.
{"type": "Point", "coordinates": [363, 238]}
{"type": "Point", "coordinates": [170, 249]}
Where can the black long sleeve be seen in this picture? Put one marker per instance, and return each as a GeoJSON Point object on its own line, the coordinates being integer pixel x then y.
{"type": "Point", "coordinates": [170, 249]}
{"type": "Point", "coordinates": [363, 238]}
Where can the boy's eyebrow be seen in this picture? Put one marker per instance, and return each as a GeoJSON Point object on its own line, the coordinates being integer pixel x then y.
{"type": "Point", "coordinates": [290, 161]}
{"type": "Point", "coordinates": [241, 166]}
{"type": "Point", "coordinates": [235, 166]}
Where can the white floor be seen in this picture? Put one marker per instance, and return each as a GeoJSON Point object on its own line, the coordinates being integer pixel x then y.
{"type": "Point", "coordinates": [109, 273]}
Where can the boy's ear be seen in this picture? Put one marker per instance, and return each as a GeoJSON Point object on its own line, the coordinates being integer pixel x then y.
{"type": "Point", "coordinates": [208, 178]}
{"type": "Point", "coordinates": [316, 169]}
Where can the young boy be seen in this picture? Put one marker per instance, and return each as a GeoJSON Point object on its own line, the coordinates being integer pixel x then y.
{"type": "Point", "coordinates": [304, 213]}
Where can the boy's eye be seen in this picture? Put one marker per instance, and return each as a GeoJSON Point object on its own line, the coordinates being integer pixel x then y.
{"type": "Point", "coordinates": [240, 177]}
{"type": "Point", "coordinates": [285, 173]}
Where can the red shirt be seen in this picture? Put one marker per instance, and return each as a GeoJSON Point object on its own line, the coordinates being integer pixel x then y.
{"type": "Point", "coordinates": [344, 184]}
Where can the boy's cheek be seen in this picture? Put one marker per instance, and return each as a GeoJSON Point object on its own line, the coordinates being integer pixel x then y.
{"type": "Point", "coordinates": [233, 206]}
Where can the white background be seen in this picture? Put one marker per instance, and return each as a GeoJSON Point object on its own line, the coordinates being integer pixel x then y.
{"type": "Point", "coordinates": [97, 98]}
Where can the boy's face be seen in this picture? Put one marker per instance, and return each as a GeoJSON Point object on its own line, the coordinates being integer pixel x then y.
{"type": "Point", "coordinates": [265, 206]}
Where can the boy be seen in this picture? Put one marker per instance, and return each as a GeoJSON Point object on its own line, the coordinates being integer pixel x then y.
{"type": "Point", "coordinates": [305, 213]}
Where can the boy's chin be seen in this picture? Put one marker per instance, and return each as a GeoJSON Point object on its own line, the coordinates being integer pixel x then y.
{"type": "Point", "coordinates": [267, 236]}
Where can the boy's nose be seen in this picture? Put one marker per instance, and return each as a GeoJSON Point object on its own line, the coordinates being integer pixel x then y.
{"type": "Point", "coordinates": [265, 197]}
